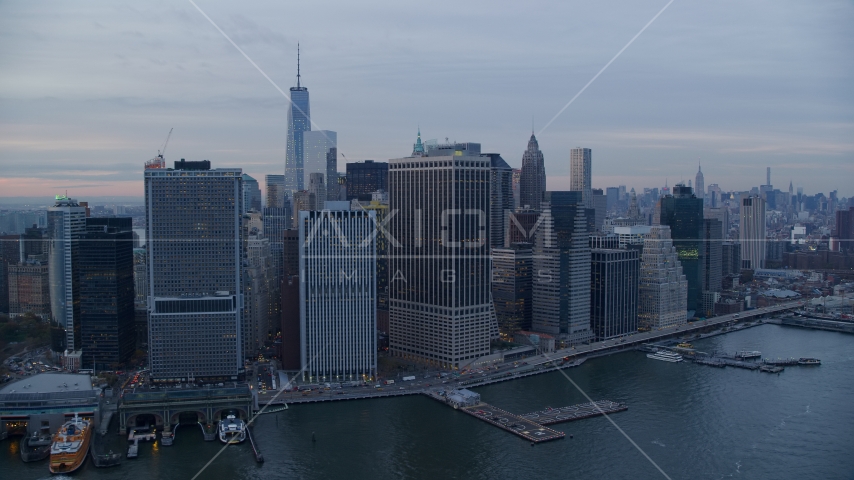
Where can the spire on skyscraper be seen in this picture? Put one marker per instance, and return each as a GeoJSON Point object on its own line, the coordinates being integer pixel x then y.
{"type": "Point", "coordinates": [532, 179]}
{"type": "Point", "coordinates": [418, 147]}
{"type": "Point", "coordinates": [298, 85]}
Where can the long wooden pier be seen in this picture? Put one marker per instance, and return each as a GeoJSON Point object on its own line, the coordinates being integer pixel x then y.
{"type": "Point", "coordinates": [551, 416]}
{"type": "Point", "coordinates": [529, 430]}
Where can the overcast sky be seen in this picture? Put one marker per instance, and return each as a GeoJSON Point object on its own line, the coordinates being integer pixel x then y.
{"type": "Point", "coordinates": [89, 90]}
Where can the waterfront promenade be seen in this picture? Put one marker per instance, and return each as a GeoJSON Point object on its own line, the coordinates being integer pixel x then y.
{"type": "Point", "coordinates": [533, 365]}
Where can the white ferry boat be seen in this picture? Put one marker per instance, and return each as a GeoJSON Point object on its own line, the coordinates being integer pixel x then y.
{"type": "Point", "coordinates": [232, 430]}
{"type": "Point", "coordinates": [746, 355]}
{"type": "Point", "coordinates": [665, 356]}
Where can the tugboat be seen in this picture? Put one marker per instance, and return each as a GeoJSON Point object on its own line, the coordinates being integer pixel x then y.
{"type": "Point", "coordinates": [70, 445]}
{"type": "Point", "coordinates": [808, 361]}
{"type": "Point", "coordinates": [35, 447]}
{"type": "Point", "coordinates": [232, 430]}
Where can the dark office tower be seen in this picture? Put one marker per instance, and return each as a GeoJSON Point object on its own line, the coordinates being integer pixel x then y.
{"type": "Point", "coordinates": [140, 286]}
{"type": "Point", "coordinates": [290, 252]}
{"type": "Point", "coordinates": [365, 178]}
{"type": "Point", "coordinates": [511, 287]}
{"type": "Point", "coordinates": [195, 288]}
{"type": "Point", "coordinates": [106, 292]}
{"type": "Point", "coordinates": [299, 121]}
{"type": "Point", "coordinates": [500, 198]}
{"type": "Point", "coordinates": [751, 232]}
{"type": "Point", "coordinates": [614, 292]}
{"type": "Point", "coordinates": [9, 255]}
{"type": "Point", "coordinates": [532, 183]}
{"type": "Point", "coordinates": [700, 184]}
{"type": "Point", "coordinates": [66, 224]}
{"type": "Point", "coordinates": [291, 355]}
{"type": "Point", "coordinates": [251, 194]}
{"type": "Point", "coordinates": [845, 229]}
{"type": "Point", "coordinates": [275, 221]}
{"type": "Point", "coordinates": [333, 188]}
{"type": "Point", "coordinates": [33, 242]}
{"type": "Point", "coordinates": [581, 178]}
{"type": "Point", "coordinates": [440, 305]}
{"type": "Point", "coordinates": [713, 255]}
{"type": "Point", "coordinates": [600, 206]}
{"type": "Point", "coordinates": [730, 259]}
{"type": "Point", "coordinates": [683, 213]}
{"type": "Point", "coordinates": [521, 227]}
{"type": "Point", "coordinates": [562, 269]}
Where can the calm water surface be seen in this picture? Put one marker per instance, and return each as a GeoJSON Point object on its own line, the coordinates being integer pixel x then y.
{"type": "Point", "coordinates": [694, 421]}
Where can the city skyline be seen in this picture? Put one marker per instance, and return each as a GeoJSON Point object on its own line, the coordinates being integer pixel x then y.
{"type": "Point", "coordinates": [61, 131]}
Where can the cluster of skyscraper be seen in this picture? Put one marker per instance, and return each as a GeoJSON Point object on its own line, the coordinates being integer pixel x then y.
{"type": "Point", "coordinates": [431, 256]}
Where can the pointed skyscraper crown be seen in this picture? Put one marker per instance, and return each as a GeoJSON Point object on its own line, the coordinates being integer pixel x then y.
{"type": "Point", "coordinates": [533, 146]}
{"type": "Point", "coordinates": [418, 147]}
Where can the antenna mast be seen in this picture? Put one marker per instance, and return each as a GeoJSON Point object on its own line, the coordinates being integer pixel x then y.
{"type": "Point", "coordinates": [298, 86]}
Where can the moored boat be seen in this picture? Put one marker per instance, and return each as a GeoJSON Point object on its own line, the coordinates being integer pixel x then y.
{"type": "Point", "coordinates": [35, 447]}
{"type": "Point", "coordinates": [70, 445]}
{"type": "Point", "coordinates": [665, 356]}
{"type": "Point", "coordinates": [745, 354]}
{"type": "Point", "coordinates": [808, 361]}
{"type": "Point", "coordinates": [232, 430]}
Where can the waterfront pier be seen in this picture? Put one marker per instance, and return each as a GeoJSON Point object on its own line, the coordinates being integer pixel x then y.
{"type": "Point", "coordinates": [469, 402]}
{"type": "Point", "coordinates": [551, 416]}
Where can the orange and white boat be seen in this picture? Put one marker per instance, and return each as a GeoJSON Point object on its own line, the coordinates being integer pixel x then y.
{"type": "Point", "coordinates": [70, 445]}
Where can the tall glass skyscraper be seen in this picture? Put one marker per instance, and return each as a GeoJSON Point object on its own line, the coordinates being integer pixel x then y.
{"type": "Point", "coordinates": [299, 121]}
{"type": "Point", "coordinates": [66, 224]}
{"type": "Point", "coordinates": [683, 213]}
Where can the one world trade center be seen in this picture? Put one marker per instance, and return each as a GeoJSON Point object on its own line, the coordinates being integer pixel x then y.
{"type": "Point", "coordinates": [299, 120]}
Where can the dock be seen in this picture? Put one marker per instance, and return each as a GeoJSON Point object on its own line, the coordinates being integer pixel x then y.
{"type": "Point", "coordinates": [770, 369]}
{"type": "Point", "coordinates": [258, 457]}
{"type": "Point", "coordinates": [133, 449]}
{"type": "Point", "coordinates": [530, 426]}
{"type": "Point", "coordinates": [780, 362]}
{"type": "Point", "coordinates": [551, 416]}
{"type": "Point", "coordinates": [529, 430]}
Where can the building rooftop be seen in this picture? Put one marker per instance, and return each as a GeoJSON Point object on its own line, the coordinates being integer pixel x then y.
{"type": "Point", "coordinates": [50, 382]}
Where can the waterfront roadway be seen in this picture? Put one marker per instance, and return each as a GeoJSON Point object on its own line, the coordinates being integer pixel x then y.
{"type": "Point", "coordinates": [511, 370]}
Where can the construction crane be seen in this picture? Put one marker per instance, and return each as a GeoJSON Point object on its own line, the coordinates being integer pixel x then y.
{"type": "Point", "coordinates": [159, 161]}
{"type": "Point", "coordinates": [162, 150]}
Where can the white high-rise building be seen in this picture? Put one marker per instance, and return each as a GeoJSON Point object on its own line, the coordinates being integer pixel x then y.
{"type": "Point", "coordinates": [66, 225]}
{"type": "Point", "coordinates": [663, 289]}
{"type": "Point", "coordinates": [194, 247]}
{"type": "Point", "coordinates": [338, 292]}
{"type": "Point", "coordinates": [581, 178]}
{"type": "Point", "coordinates": [440, 302]}
{"type": "Point", "coordinates": [751, 232]}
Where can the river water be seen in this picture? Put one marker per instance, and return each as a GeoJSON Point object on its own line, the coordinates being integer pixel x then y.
{"type": "Point", "coordinates": [693, 421]}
